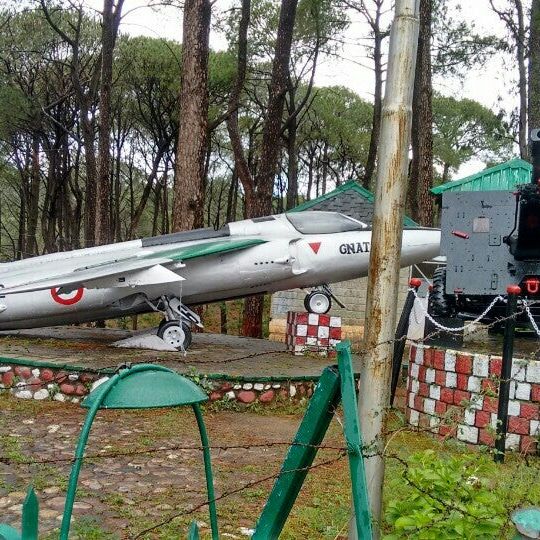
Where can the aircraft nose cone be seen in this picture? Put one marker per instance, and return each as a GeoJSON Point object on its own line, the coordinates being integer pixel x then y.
{"type": "Point", "coordinates": [423, 243]}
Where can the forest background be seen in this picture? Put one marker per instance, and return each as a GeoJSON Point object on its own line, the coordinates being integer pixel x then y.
{"type": "Point", "coordinates": [111, 130]}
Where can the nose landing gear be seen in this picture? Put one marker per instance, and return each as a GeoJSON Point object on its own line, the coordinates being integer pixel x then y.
{"type": "Point", "coordinates": [319, 301]}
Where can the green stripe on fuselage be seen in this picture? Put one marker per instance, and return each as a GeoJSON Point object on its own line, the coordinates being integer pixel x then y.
{"type": "Point", "coordinates": [207, 248]}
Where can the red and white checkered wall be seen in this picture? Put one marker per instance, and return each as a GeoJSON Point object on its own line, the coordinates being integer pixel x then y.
{"type": "Point", "coordinates": [455, 394]}
{"type": "Point", "coordinates": [309, 332]}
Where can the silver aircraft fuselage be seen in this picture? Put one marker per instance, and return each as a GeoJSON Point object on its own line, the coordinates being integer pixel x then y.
{"type": "Point", "coordinates": [285, 259]}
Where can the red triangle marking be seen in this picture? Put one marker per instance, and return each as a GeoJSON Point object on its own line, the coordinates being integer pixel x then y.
{"type": "Point", "coordinates": [315, 246]}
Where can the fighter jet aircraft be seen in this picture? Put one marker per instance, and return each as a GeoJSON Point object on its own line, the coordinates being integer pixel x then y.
{"type": "Point", "coordinates": [170, 273]}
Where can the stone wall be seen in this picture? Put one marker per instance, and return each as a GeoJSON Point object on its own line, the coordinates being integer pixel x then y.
{"type": "Point", "coordinates": [350, 293]}
{"type": "Point", "coordinates": [454, 394]}
{"type": "Point", "coordinates": [260, 392]}
{"type": "Point", "coordinates": [31, 382]}
{"type": "Point", "coordinates": [47, 382]}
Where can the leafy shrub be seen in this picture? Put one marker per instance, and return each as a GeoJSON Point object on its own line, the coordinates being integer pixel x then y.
{"type": "Point", "coordinates": [445, 500]}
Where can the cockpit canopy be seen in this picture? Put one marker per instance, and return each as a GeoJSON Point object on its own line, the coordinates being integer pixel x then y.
{"type": "Point", "coordinates": [315, 222]}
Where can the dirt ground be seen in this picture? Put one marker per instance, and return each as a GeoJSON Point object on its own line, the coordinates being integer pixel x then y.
{"type": "Point", "coordinates": [209, 353]}
{"type": "Point", "coordinates": [120, 496]}
{"type": "Point", "coordinates": [143, 469]}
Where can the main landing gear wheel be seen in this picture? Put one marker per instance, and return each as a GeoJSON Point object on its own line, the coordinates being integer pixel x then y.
{"type": "Point", "coordinates": [176, 334]}
{"type": "Point", "coordinates": [317, 302]}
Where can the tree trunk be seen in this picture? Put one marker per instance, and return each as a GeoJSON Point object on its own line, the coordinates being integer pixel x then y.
{"type": "Point", "coordinates": [377, 109]}
{"type": "Point", "coordinates": [193, 128]}
{"type": "Point", "coordinates": [258, 205]}
{"type": "Point", "coordinates": [515, 23]}
{"type": "Point", "coordinates": [446, 173]}
{"type": "Point", "coordinates": [534, 66]}
{"type": "Point", "coordinates": [232, 197]}
{"type": "Point", "coordinates": [258, 193]}
{"type": "Point", "coordinates": [293, 121]}
{"type": "Point", "coordinates": [261, 205]}
{"type": "Point", "coordinates": [138, 212]}
{"type": "Point", "coordinates": [85, 99]}
{"type": "Point", "coordinates": [22, 224]}
{"type": "Point", "coordinates": [310, 174]}
{"type": "Point", "coordinates": [421, 177]}
{"type": "Point", "coordinates": [522, 63]}
{"type": "Point", "coordinates": [223, 317]}
{"type": "Point", "coordinates": [33, 201]}
{"type": "Point", "coordinates": [165, 204]}
{"type": "Point", "coordinates": [242, 170]}
{"type": "Point", "coordinates": [276, 101]}
{"type": "Point", "coordinates": [49, 213]}
{"type": "Point", "coordinates": [117, 193]}
{"type": "Point", "coordinates": [90, 200]}
{"type": "Point", "coordinates": [292, 168]}
{"type": "Point", "coordinates": [155, 216]}
{"type": "Point", "coordinates": [109, 30]}
{"type": "Point", "coordinates": [324, 168]}
{"type": "Point", "coordinates": [76, 225]}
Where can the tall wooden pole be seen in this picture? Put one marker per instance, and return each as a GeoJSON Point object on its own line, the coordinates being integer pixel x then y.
{"type": "Point", "coordinates": [375, 377]}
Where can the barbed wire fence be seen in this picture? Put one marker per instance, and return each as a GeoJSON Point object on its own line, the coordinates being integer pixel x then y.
{"type": "Point", "coordinates": [524, 309]}
{"type": "Point", "coordinates": [341, 452]}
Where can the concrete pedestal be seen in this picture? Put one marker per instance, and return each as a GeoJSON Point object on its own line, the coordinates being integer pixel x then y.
{"type": "Point", "coordinates": [312, 333]}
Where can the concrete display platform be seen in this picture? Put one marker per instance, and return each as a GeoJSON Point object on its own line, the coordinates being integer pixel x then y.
{"type": "Point", "coordinates": [89, 349]}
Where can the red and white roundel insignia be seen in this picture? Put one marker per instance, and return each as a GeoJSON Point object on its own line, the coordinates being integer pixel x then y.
{"type": "Point", "coordinates": [67, 299]}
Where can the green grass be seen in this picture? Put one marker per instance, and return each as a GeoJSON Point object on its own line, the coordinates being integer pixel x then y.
{"type": "Point", "coordinates": [279, 407]}
{"type": "Point", "coordinates": [11, 448]}
{"type": "Point", "coordinates": [90, 529]}
{"type": "Point", "coordinates": [85, 528]}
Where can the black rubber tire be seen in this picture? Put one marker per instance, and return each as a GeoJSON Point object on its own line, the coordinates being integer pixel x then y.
{"type": "Point", "coordinates": [188, 338]}
{"type": "Point", "coordinates": [307, 302]}
{"type": "Point", "coordinates": [438, 303]}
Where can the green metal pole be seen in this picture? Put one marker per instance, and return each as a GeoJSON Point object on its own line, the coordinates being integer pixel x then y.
{"type": "Point", "coordinates": [207, 472]}
{"type": "Point", "coordinates": [30, 513]}
{"type": "Point", "coordinates": [79, 454]}
{"type": "Point", "coordinates": [353, 437]}
{"type": "Point", "coordinates": [506, 372]}
{"type": "Point", "coordinates": [300, 456]}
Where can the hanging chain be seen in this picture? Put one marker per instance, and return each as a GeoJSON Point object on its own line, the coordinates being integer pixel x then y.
{"type": "Point", "coordinates": [530, 315]}
{"type": "Point", "coordinates": [465, 327]}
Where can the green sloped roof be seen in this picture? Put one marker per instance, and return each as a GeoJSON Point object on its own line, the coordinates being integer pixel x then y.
{"type": "Point", "coordinates": [504, 177]}
{"type": "Point", "coordinates": [350, 185]}
{"type": "Point", "coordinates": [339, 194]}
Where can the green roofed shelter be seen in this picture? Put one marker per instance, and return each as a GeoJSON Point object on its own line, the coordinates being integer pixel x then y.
{"type": "Point", "coordinates": [350, 199]}
{"type": "Point", "coordinates": [504, 177]}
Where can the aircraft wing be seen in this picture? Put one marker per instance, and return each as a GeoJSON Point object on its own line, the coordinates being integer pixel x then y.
{"type": "Point", "coordinates": [209, 248]}
{"type": "Point", "coordinates": [134, 271]}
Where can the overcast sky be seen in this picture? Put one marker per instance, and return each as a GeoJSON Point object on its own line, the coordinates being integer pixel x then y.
{"type": "Point", "coordinates": [493, 84]}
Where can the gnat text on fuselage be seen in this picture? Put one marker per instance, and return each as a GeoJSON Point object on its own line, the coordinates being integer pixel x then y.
{"type": "Point", "coordinates": [356, 247]}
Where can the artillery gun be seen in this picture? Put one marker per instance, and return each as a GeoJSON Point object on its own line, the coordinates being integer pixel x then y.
{"type": "Point", "coordinates": [491, 239]}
